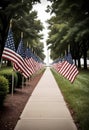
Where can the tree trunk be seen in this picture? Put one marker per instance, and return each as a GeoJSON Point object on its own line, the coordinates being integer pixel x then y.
{"type": "Point", "coordinates": [75, 61]}
{"type": "Point", "coordinates": [79, 63]}
{"type": "Point", "coordinates": [85, 60]}
{"type": "Point", "coordinates": [3, 32]}
{"type": "Point", "coordinates": [85, 55]}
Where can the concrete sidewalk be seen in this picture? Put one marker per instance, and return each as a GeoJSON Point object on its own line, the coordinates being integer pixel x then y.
{"type": "Point", "coordinates": [46, 108]}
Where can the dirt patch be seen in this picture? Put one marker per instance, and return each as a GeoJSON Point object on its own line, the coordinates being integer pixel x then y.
{"type": "Point", "coordinates": [14, 105]}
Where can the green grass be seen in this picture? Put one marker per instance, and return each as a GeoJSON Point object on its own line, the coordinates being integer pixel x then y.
{"type": "Point", "coordinates": [6, 69]}
{"type": "Point", "coordinates": [77, 96]}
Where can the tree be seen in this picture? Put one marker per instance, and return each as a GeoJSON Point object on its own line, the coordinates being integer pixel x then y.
{"type": "Point", "coordinates": [75, 15]}
{"type": "Point", "coordinates": [24, 19]}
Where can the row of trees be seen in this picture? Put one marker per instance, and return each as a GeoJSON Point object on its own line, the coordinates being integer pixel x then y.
{"type": "Point", "coordinates": [69, 26]}
{"type": "Point", "coordinates": [24, 20]}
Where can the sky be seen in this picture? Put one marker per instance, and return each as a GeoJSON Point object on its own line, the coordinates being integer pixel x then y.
{"type": "Point", "coordinates": [43, 16]}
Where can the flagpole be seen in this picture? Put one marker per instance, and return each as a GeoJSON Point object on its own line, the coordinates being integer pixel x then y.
{"type": "Point", "coordinates": [22, 76]}
{"type": "Point", "coordinates": [21, 34]}
{"type": "Point", "coordinates": [65, 52]}
{"type": "Point", "coordinates": [28, 46]}
{"type": "Point", "coordinates": [12, 91]}
{"type": "Point", "coordinates": [32, 50]}
{"type": "Point", "coordinates": [22, 82]}
{"type": "Point", "coordinates": [69, 48]}
{"type": "Point", "coordinates": [11, 23]}
{"type": "Point", "coordinates": [12, 83]}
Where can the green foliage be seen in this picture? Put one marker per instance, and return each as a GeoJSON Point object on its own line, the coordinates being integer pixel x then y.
{"type": "Point", "coordinates": [31, 28]}
{"type": "Point", "coordinates": [19, 83]}
{"type": "Point", "coordinates": [75, 16]}
{"type": "Point", "coordinates": [56, 37]}
{"type": "Point", "coordinates": [24, 20]}
{"type": "Point", "coordinates": [77, 96]}
{"type": "Point", "coordinates": [7, 73]}
{"type": "Point", "coordinates": [3, 89]}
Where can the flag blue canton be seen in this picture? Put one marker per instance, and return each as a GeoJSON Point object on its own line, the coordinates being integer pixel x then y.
{"type": "Point", "coordinates": [28, 53]}
{"type": "Point", "coordinates": [32, 55]}
{"type": "Point", "coordinates": [65, 58]}
{"type": "Point", "coordinates": [21, 50]}
{"type": "Point", "coordinates": [69, 58]}
{"type": "Point", "coordinates": [10, 41]}
{"type": "Point", "coordinates": [10, 54]}
{"type": "Point", "coordinates": [67, 68]}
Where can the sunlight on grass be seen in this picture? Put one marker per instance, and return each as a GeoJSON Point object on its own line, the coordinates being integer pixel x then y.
{"type": "Point", "coordinates": [6, 69]}
{"type": "Point", "coordinates": [77, 96]}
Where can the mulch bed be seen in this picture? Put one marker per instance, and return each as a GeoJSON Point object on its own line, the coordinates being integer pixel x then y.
{"type": "Point", "coordinates": [14, 105]}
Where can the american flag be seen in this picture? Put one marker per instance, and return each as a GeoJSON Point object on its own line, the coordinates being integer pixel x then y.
{"type": "Point", "coordinates": [29, 59]}
{"type": "Point", "coordinates": [39, 63]}
{"type": "Point", "coordinates": [10, 54]}
{"type": "Point", "coordinates": [37, 67]}
{"type": "Point", "coordinates": [9, 49]}
{"type": "Point", "coordinates": [34, 60]}
{"type": "Point", "coordinates": [68, 69]}
{"type": "Point", "coordinates": [25, 69]}
{"type": "Point", "coordinates": [57, 64]}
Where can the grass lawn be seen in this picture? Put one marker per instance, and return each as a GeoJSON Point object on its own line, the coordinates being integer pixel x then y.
{"type": "Point", "coordinates": [6, 69]}
{"type": "Point", "coordinates": [77, 96]}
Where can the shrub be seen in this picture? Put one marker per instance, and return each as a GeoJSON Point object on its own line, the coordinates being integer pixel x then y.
{"type": "Point", "coordinates": [19, 83]}
{"type": "Point", "coordinates": [7, 73]}
{"type": "Point", "coordinates": [20, 80]}
{"type": "Point", "coordinates": [3, 89]}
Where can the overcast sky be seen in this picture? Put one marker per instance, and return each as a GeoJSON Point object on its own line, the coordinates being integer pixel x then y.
{"type": "Point", "coordinates": [43, 16]}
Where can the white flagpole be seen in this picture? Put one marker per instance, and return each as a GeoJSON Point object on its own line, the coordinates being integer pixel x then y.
{"type": "Point", "coordinates": [69, 48]}
{"type": "Point", "coordinates": [13, 70]}
{"type": "Point", "coordinates": [12, 82]}
{"type": "Point", "coordinates": [22, 82]}
{"type": "Point", "coordinates": [22, 76]}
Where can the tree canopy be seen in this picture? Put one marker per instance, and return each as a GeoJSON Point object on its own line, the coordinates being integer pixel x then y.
{"type": "Point", "coordinates": [69, 26]}
{"type": "Point", "coordinates": [23, 20]}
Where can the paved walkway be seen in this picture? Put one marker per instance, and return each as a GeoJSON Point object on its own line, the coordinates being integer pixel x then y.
{"type": "Point", "coordinates": [46, 108]}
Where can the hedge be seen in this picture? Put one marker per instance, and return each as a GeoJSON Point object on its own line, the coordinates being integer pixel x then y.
{"type": "Point", "coordinates": [19, 83]}
{"type": "Point", "coordinates": [4, 87]}
{"type": "Point", "coordinates": [7, 73]}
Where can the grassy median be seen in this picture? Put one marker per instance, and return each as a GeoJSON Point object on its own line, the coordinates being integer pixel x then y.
{"type": "Point", "coordinates": [77, 97]}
